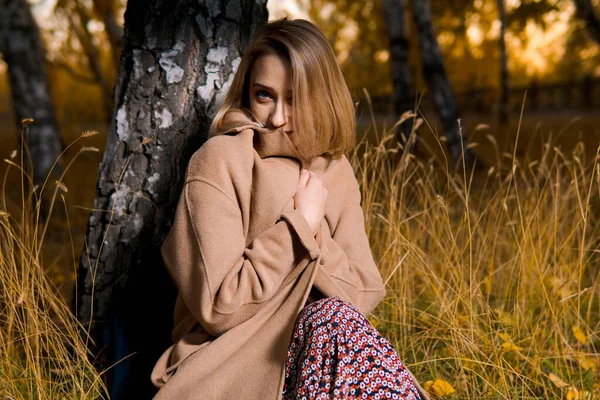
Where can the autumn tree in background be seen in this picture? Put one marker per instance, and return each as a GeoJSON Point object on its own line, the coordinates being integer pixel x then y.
{"type": "Point", "coordinates": [177, 62]}
{"type": "Point", "coordinates": [355, 30]}
{"type": "Point", "coordinates": [585, 11]}
{"type": "Point", "coordinates": [404, 93]}
{"type": "Point", "coordinates": [404, 84]}
{"type": "Point", "coordinates": [22, 50]}
{"type": "Point", "coordinates": [504, 84]}
{"type": "Point", "coordinates": [78, 16]}
{"type": "Point", "coordinates": [106, 11]}
{"type": "Point", "coordinates": [441, 91]}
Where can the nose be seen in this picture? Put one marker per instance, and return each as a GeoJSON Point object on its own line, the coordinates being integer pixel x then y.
{"type": "Point", "coordinates": [280, 114]}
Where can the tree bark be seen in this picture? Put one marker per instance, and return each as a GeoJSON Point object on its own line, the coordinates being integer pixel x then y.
{"type": "Point", "coordinates": [441, 91]}
{"type": "Point", "coordinates": [394, 12]}
{"type": "Point", "coordinates": [503, 111]}
{"type": "Point", "coordinates": [177, 63]}
{"type": "Point", "coordinates": [22, 49]}
{"type": "Point", "coordinates": [585, 11]}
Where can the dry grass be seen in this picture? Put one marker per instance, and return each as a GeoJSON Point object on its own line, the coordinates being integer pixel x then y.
{"type": "Point", "coordinates": [492, 276]}
{"type": "Point", "coordinates": [42, 353]}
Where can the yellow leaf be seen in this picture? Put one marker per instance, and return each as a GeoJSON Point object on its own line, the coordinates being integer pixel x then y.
{"type": "Point", "coordinates": [504, 336]}
{"type": "Point", "coordinates": [511, 347]}
{"type": "Point", "coordinates": [557, 381]}
{"type": "Point", "coordinates": [575, 394]}
{"type": "Point", "coordinates": [579, 335]}
{"type": "Point", "coordinates": [439, 387]}
{"type": "Point", "coordinates": [586, 363]}
{"type": "Point", "coordinates": [506, 319]}
{"type": "Point", "coordinates": [374, 322]}
{"type": "Point", "coordinates": [508, 345]}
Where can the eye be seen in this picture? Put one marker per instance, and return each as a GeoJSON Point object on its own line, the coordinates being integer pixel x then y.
{"type": "Point", "coordinates": [262, 94]}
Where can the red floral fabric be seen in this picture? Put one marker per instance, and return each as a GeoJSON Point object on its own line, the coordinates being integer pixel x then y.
{"type": "Point", "coordinates": [336, 353]}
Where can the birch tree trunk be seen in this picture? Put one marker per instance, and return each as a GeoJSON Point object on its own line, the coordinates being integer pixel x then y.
{"type": "Point", "coordinates": [394, 12]}
{"type": "Point", "coordinates": [441, 91]}
{"type": "Point", "coordinates": [585, 11]}
{"type": "Point", "coordinates": [504, 85]}
{"type": "Point", "coordinates": [177, 63]}
{"type": "Point", "coordinates": [22, 49]}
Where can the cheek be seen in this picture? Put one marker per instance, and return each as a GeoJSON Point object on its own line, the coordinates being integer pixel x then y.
{"type": "Point", "coordinates": [259, 111]}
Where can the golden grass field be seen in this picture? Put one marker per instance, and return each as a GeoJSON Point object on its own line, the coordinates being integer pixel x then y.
{"type": "Point", "coordinates": [492, 274]}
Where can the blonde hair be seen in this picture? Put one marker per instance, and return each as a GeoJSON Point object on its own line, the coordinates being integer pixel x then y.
{"type": "Point", "coordinates": [323, 113]}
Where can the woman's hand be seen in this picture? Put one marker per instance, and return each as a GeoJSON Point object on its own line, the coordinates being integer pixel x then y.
{"type": "Point", "coordinates": [310, 199]}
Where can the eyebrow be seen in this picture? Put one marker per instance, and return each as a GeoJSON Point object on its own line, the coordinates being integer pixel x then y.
{"type": "Point", "coordinates": [257, 84]}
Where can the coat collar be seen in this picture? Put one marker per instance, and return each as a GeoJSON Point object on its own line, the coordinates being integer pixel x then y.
{"type": "Point", "coordinates": [267, 142]}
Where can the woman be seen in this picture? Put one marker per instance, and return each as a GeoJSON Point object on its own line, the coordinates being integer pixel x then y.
{"type": "Point", "coordinates": [268, 248]}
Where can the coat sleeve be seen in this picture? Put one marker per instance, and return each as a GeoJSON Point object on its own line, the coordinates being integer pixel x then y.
{"type": "Point", "coordinates": [222, 281]}
{"type": "Point", "coordinates": [347, 267]}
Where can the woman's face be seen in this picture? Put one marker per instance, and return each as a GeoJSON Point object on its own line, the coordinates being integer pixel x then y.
{"type": "Point", "coordinates": [270, 92]}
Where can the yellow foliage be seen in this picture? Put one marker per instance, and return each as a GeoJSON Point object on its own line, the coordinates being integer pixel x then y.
{"type": "Point", "coordinates": [579, 335]}
{"type": "Point", "coordinates": [504, 336]}
{"type": "Point", "coordinates": [575, 394]}
{"type": "Point", "coordinates": [506, 318]}
{"type": "Point", "coordinates": [374, 321]}
{"type": "Point", "coordinates": [586, 363]}
{"type": "Point", "coordinates": [508, 345]}
{"type": "Point", "coordinates": [557, 381]}
{"type": "Point", "coordinates": [439, 387]}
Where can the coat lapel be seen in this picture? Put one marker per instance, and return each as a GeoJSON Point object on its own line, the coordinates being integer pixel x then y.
{"type": "Point", "coordinates": [267, 142]}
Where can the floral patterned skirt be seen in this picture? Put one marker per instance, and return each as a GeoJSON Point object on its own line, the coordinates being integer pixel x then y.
{"type": "Point", "coordinates": [337, 354]}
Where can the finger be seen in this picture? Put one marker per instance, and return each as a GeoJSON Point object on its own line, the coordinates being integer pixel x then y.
{"type": "Point", "coordinates": [313, 175]}
{"type": "Point", "coordinates": [315, 182]}
{"type": "Point", "coordinates": [314, 179]}
{"type": "Point", "coordinates": [304, 176]}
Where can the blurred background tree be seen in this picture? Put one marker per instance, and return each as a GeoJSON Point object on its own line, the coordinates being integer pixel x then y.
{"type": "Point", "coordinates": [544, 39]}
{"type": "Point", "coordinates": [585, 11]}
{"type": "Point", "coordinates": [81, 57]}
{"type": "Point", "coordinates": [23, 51]}
{"type": "Point", "coordinates": [404, 99]}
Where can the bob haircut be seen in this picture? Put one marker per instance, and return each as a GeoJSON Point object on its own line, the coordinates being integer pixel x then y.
{"type": "Point", "coordinates": [322, 110]}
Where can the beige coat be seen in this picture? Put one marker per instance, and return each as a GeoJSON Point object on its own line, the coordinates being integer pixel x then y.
{"type": "Point", "coordinates": [244, 261]}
